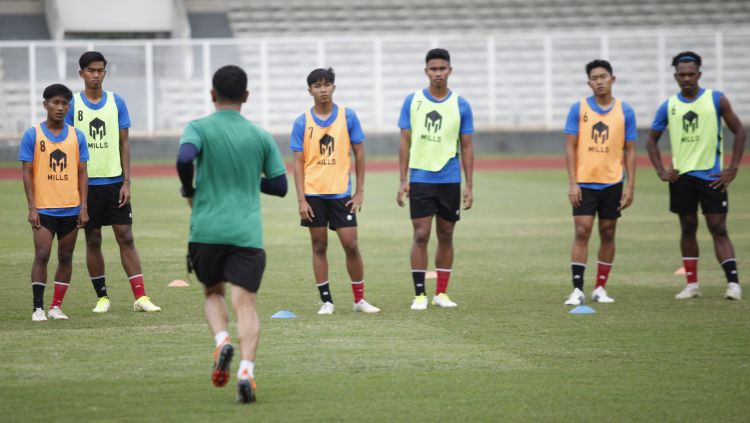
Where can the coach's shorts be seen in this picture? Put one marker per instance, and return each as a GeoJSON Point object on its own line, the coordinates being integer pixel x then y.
{"type": "Point", "coordinates": [103, 211]}
{"type": "Point", "coordinates": [605, 202]}
{"type": "Point", "coordinates": [60, 226]}
{"type": "Point", "coordinates": [688, 191]}
{"type": "Point", "coordinates": [214, 263]}
{"type": "Point", "coordinates": [330, 212]}
{"type": "Point", "coordinates": [431, 199]}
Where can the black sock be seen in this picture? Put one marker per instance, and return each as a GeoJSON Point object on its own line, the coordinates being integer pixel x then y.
{"type": "Point", "coordinates": [578, 270]}
{"type": "Point", "coordinates": [38, 289]}
{"type": "Point", "coordinates": [418, 278]}
{"type": "Point", "coordinates": [730, 269]}
{"type": "Point", "coordinates": [99, 286]}
{"type": "Point", "coordinates": [325, 293]}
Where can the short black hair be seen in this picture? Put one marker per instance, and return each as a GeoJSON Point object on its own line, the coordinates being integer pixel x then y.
{"type": "Point", "coordinates": [90, 57]}
{"type": "Point", "coordinates": [686, 57]}
{"type": "Point", "coordinates": [321, 74]}
{"type": "Point", "coordinates": [598, 63]}
{"type": "Point", "coordinates": [57, 90]}
{"type": "Point", "coordinates": [438, 53]}
{"type": "Point", "coordinates": [230, 83]}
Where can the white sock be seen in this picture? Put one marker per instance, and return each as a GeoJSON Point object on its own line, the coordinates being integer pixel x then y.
{"type": "Point", "coordinates": [246, 364]}
{"type": "Point", "coordinates": [220, 337]}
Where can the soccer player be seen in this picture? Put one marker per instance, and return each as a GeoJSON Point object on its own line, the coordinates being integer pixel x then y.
{"type": "Point", "coordinates": [226, 232]}
{"type": "Point", "coordinates": [600, 130]}
{"type": "Point", "coordinates": [322, 141]}
{"type": "Point", "coordinates": [697, 174]}
{"type": "Point", "coordinates": [436, 124]}
{"type": "Point", "coordinates": [103, 115]}
{"type": "Point", "coordinates": [53, 159]}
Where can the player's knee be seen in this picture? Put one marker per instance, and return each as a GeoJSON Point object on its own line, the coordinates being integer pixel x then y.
{"type": "Point", "coordinates": [319, 247]}
{"type": "Point", "coordinates": [445, 237]}
{"type": "Point", "coordinates": [125, 239]}
{"type": "Point", "coordinates": [688, 229]}
{"type": "Point", "coordinates": [607, 235]}
{"type": "Point", "coordinates": [41, 255]}
{"type": "Point", "coordinates": [94, 239]}
{"type": "Point", "coordinates": [718, 230]}
{"type": "Point", "coordinates": [65, 258]}
{"type": "Point", "coordinates": [421, 236]}
{"type": "Point", "coordinates": [351, 247]}
{"type": "Point", "coordinates": [583, 233]}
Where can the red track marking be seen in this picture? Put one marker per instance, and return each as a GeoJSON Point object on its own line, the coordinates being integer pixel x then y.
{"type": "Point", "coordinates": [494, 164]}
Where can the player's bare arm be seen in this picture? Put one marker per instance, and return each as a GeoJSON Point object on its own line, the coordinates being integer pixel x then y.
{"type": "Point", "coordinates": [467, 159]}
{"type": "Point", "coordinates": [666, 174]}
{"type": "Point", "coordinates": [628, 191]}
{"type": "Point", "coordinates": [403, 166]}
{"type": "Point", "coordinates": [28, 187]}
{"type": "Point", "coordinates": [305, 211]}
{"type": "Point", "coordinates": [727, 175]}
{"type": "Point", "coordinates": [83, 192]}
{"type": "Point", "coordinates": [355, 204]}
{"type": "Point", "coordinates": [125, 163]}
{"type": "Point", "coordinates": [574, 191]}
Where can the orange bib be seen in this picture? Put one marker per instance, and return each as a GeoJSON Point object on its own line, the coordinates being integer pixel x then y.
{"type": "Point", "coordinates": [55, 171]}
{"type": "Point", "coordinates": [326, 155]}
{"type": "Point", "coordinates": [601, 145]}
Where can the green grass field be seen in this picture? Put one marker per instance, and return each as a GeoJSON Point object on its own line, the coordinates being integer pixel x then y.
{"type": "Point", "coordinates": [510, 352]}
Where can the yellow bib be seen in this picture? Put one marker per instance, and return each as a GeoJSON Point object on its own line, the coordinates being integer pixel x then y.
{"type": "Point", "coordinates": [55, 171]}
{"type": "Point", "coordinates": [601, 145]}
{"type": "Point", "coordinates": [326, 155]}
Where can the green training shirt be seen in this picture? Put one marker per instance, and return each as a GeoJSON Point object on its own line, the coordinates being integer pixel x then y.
{"type": "Point", "coordinates": [233, 154]}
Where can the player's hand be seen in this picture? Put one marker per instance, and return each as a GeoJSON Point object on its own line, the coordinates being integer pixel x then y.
{"type": "Point", "coordinates": [575, 195]}
{"type": "Point", "coordinates": [305, 211]}
{"type": "Point", "coordinates": [190, 201]}
{"type": "Point", "coordinates": [34, 218]}
{"type": "Point", "coordinates": [669, 175]}
{"type": "Point", "coordinates": [726, 177]}
{"type": "Point", "coordinates": [627, 198]}
{"type": "Point", "coordinates": [403, 193]}
{"type": "Point", "coordinates": [355, 203]}
{"type": "Point", "coordinates": [83, 217]}
{"type": "Point", "coordinates": [468, 197]}
{"type": "Point", "coordinates": [124, 194]}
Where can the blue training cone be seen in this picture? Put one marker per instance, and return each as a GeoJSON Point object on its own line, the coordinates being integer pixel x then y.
{"type": "Point", "coordinates": [582, 309]}
{"type": "Point", "coordinates": [284, 314]}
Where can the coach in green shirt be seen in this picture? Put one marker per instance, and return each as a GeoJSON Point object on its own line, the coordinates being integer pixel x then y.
{"type": "Point", "coordinates": [226, 232]}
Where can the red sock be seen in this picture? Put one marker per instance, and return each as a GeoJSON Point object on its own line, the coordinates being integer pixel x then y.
{"type": "Point", "coordinates": [691, 269]}
{"type": "Point", "coordinates": [358, 289]}
{"type": "Point", "coordinates": [60, 289]}
{"type": "Point", "coordinates": [443, 275]}
{"type": "Point", "coordinates": [602, 274]}
{"type": "Point", "coordinates": [136, 284]}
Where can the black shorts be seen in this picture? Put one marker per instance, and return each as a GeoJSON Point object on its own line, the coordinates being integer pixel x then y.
{"type": "Point", "coordinates": [688, 191]}
{"type": "Point", "coordinates": [59, 226]}
{"type": "Point", "coordinates": [103, 211]}
{"type": "Point", "coordinates": [605, 202]}
{"type": "Point", "coordinates": [214, 263]}
{"type": "Point", "coordinates": [330, 212]}
{"type": "Point", "coordinates": [431, 199]}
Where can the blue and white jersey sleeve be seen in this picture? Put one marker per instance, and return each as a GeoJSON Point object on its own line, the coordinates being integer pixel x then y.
{"type": "Point", "coordinates": [404, 120]}
{"type": "Point", "coordinates": [83, 147]}
{"type": "Point", "coordinates": [356, 135]}
{"type": "Point", "coordinates": [296, 142]}
{"type": "Point", "coordinates": [71, 112]}
{"type": "Point", "coordinates": [467, 117]}
{"type": "Point", "coordinates": [571, 124]}
{"type": "Point", "coordinates": [123, 116]}
{"type": "Point", "coordinates": [631, 130]}
{"type": "Point", "coordinates": [28, 143]}
{"type": "Point", "coordinates": [660, 120]}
